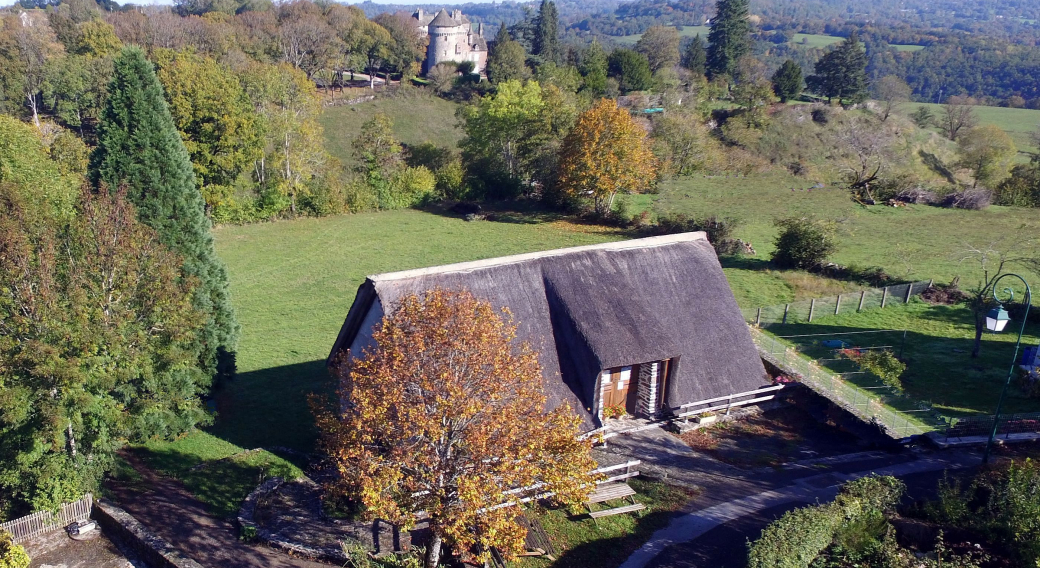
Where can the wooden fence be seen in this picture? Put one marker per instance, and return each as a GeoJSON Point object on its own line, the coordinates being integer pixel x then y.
{"type": "Point", "coordinates": [45, 521]}
{"type": "Point", "coordinates": [808, 310]}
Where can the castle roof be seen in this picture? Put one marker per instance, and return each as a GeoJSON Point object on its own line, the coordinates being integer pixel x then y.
{"type": "Point", "coordinates": [443, 20]}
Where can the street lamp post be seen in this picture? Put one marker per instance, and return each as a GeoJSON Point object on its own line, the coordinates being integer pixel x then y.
{"type": "Point", "coordinates": [996, 320]}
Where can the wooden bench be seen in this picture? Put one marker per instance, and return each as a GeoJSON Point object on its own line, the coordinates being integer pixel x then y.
{"type": "Point", "coordinates": [618, 510]}
{"type": "Point", "coordinates": [610, 492]}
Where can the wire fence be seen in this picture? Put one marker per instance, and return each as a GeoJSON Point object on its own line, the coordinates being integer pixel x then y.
{"type": "Point", "coordinates": [898, 416]}
{"type": "Point", "coordinates": [808, 310]}
{"type": "Point", "coordinates": [975, 426]}
{"type": "Point", "coordinates": [42, 522]}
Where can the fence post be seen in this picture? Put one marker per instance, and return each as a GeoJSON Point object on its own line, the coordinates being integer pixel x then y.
{"type": "Point", "coordinates": [837, 305]}
{"type": "Point", "coordinates": [909, 290]}
{"type": "Point", "coordinates": [812, 308]}
{"type": "Point", "coordinates": [884, 297]}
{"type": "Point", "coordinates": [787, 308]}
{"type": "Point", "coordinates": [930, 282]}
{"type": "Point", "coordinates": [758, 318]}
{"type": "Point", "coordinates": [862, 296]}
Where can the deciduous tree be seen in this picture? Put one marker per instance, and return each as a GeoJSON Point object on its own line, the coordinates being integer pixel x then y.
{"type": "Point", "coordinates": [891, 91]}
{"type": "Point", "coordinates": [958, 115]}
{"type": "Point", "coordinates": [987, 151]}
{"type": "Point", "coordinates": [660, 46]}
{"type": "Point", "coordinates": [605, 153]}
{"type": "Point", "coordinates": [220, 128]}
{"type": "Point", "coordinates": [97, 345]}
{"type": "Point", "coordinates": [139, 148]}
{"type": "Point", "coordinates": [445, 416]}
{"type": "Point", "coordinates": [508, 62]}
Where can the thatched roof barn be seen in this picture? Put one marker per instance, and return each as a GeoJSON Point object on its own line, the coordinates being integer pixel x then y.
{"type": "Point", "coordinates": [647, 324]}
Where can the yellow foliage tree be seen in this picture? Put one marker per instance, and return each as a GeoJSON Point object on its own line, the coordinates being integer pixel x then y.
{"type": "Point", "coordinates": [605, 153]}
{"type": "Point", "coordinates": [446, 415]}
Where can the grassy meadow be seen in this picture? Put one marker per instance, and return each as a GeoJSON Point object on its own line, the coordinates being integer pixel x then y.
{"type": "Point", "coordinates": [1019, 123]}
{"type": "Point", "coordinates": [687, 31]}
{"type": "Point", "coordinates": [417, 118]}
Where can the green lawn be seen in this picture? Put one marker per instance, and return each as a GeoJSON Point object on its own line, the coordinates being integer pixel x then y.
{"type": "Point", "coordinates": [936, 350]}
{"type": "Point", "coordinates": [815, 40]}
{"type": "Point", "coordinates": [582, 542]}
{"type": "Point", "coordinates": [687, 31]}
{"type": "Point", "coordinates": [917, 242]}
{"type": "Point", "coordinates": [417, 118]}
{"type": "Point", "coordinates": [903, 47]}
{"type": "Point", "coordinates": [1019, 123]}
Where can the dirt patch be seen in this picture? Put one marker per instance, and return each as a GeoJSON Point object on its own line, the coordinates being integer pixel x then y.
{"type": "Point", "coordinates": [771, 438]}
{"type": "Point", "coordinates": [57, 550]}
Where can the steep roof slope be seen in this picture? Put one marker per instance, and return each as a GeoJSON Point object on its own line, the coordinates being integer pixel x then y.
{"type": "Point", "coordinates": [585, 309]}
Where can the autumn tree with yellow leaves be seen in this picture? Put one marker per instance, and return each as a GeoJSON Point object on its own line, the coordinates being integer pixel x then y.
{"type": "Point", "coordinates": [605, 153]}
{"type": "Point", "coordinates": [446, 414]}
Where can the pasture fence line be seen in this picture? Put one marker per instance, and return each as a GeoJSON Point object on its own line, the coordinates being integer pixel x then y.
{"type": "Point", "coordinates": [42, 522]}
{"type": "Point", "coordinates": [870, 404]}
{"type": "Point", "coordinates": [808, 310]}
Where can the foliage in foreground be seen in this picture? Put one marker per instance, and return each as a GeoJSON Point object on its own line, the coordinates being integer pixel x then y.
{"type": "Point", "coordinates": [1003, 504]}
{"type": "Point", "coordinates": [12, 555]}
{"type": "Point", "coordinates": [97, 346]}
{"type": "Point", "coordinates": [445, 415]}
{"type": "Point", "coordinates": [850, 531]}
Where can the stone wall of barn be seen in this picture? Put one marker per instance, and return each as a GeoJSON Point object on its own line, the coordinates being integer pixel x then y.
{"type": "Point", "coordinates": [646, 388]}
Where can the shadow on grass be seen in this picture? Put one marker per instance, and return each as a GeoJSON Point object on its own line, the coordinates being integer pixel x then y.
{"type": "Point", "coordinates": [524, 212]}
{"type": "Point", "coordinates": [744, 262]}
{"type": "Point", "coordinates": [221, 484]}
{"type": "Point", "coordinates": [612, 551]}
{"type": "Point", "coordinates": [268, 408]}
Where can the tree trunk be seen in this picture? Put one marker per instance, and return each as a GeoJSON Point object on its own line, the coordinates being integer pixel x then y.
{"type": "Point", "coordinates": [977, 347]}
{"type": "Point", "coordinates": [433, 551]}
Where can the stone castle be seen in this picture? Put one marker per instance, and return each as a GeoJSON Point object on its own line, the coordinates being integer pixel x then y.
{"type": "Point", "coordinates": [452, 38]}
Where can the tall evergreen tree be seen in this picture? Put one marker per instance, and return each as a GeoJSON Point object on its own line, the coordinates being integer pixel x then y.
{"type": "Point", "coordinates": [546, 43]}
{"type": "Point", "coordinates": [695, 58]}
{"type": "Point", "coordinates": [730, 37]}
{"type": "Point", "coordinates": [139, 148]}
{"type": "Point", "coordinates": [842, 73]}
{"type": "Point", "coordinates": [593, 69]}
{"type": "Point", "coordinates": [787, 81]}
{"type": "Point", "coordinates": [503, 34]}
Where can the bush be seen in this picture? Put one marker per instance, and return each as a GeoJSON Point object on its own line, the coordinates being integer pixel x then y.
{"type": "Point", "coordinates": [12, 555]}
{"type": "Point", "coordinates": [974, 199]}
{"type": "Point", "coordinates": [917, 196]}
{"type": "Point", "coordinates": [881, 363]}
{"type": "Point", "coordinates": [795, 539]}
{"type": "Point", "coordinates": [803, 243]}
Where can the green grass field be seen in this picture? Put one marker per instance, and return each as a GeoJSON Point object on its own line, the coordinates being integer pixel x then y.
{"type": "Point", "coordinates": [1019, 123]}
{"type": "Point", "coordinates": [687, 31]}
{"type": "Point", "coordinates": [418, 118]}
{"type": "Point", "coordinates": [938, 342]}
{"type": "Point", "coordinates": [815, 40]}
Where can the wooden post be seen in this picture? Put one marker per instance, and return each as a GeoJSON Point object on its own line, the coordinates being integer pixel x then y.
{"type": "Point", "coordinates": [812, 307]}
{"type": "Point", "coordinates": [909, 290]}
{"type": "Point", "coordinates": [787, 308]}
{"type": "Point", "coordinates": [930, 282]}
{"type": "Point", "coordinates": [758, 318]}
{"type": "Point", "coordinates": [837, 305]}
{"type": "Point", "coordinates": [862, 296]}
{"type": "Point", "coordinates": [884, 296]}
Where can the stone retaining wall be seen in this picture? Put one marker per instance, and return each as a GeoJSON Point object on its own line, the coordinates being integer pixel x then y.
{"type": "Point", "coordinates": [146, 545]}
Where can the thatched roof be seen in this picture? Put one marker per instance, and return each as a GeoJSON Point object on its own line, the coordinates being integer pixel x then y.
{"type": "Point", "coordinates": [586, 309]}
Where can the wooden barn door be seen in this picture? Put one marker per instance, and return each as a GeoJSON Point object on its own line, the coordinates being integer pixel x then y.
{"type": "Point", "coordinates": [616, 386]}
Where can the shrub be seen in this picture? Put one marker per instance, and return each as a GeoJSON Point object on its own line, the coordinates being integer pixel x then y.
{"type": "Point", "coordinates": [974, 199]}
{"type": "Point", "coordinates": [881, 363]}
{"type": "Point", "coordinates": [917, 196]}
{"type": "Point", "coordinates": [803, 243]}
{"type": "Point", "coordinates": [1010, 511]}
{"type": "Point", "coordinates": [12, 555]}
{"type": "Point", "coordinates": [796, 539]}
